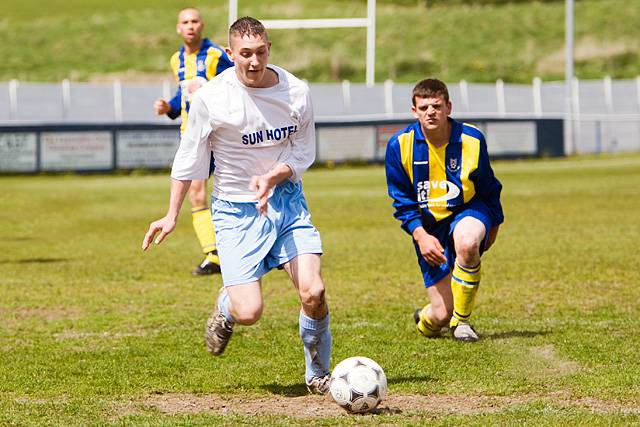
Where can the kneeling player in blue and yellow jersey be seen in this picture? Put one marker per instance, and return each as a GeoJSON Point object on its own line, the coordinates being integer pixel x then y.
{"type": "Point", "coordinates": [447, 198]}
{"type": "Point", "coordinates": [198, 61]}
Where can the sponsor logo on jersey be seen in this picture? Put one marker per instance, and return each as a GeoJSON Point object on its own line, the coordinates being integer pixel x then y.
{"type": "Point", "coordinates": [266, 135]}
{"type": "Point", "coordinates": [424, 189]}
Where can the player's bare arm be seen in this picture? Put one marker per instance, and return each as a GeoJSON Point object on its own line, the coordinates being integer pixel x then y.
{"type": "Point", "coordinates": [262, 184]}
{"type": "Point", "coordinates": [166, 224]}
{"type": "Point", "coordinates": [430, 247]}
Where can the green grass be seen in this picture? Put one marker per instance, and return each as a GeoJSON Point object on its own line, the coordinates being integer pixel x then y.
{"type": "Point", "coordinates": [90, 324]}
{"type": "Point", "coordinates": [82, 40]}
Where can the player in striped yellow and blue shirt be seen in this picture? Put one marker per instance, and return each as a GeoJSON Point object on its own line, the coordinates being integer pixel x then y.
{"type": "Point", "coordinates": [447, 198]}
{"type": "Point", "coordinates": [197, 61]}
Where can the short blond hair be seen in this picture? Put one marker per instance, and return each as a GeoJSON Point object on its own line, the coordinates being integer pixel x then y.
{"type": "Point", "coordinates": [248, 26]}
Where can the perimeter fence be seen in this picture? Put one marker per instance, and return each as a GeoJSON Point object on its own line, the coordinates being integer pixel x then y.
{"type": "Point", "coordinates": [84, 126]}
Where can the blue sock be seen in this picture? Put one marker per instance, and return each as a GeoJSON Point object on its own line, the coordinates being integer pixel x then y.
{"type": "Point", "coordinates": [316, 337]}
{"type": "Point", "coordinates": [223, 305]}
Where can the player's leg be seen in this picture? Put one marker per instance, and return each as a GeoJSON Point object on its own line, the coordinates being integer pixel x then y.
{"type": "Point", "coordinates": [437, 279]}
{"type": "Point", "coordinates": [432, 317]}
{"type": "Point", "coordinates": [304, 271]}
{"type": "Point", "coordinates": [297, 249]}
{"type": "Point", "coordinates": [203, 226]}
{"type": "Point", "coordinates": [244, 303]}
{"type": "Point", "coordinates": [244, 240]}
{"type": "Point", "coordinates": [468, 235]}
{"type": "Point", "coordinates": [240, 304]}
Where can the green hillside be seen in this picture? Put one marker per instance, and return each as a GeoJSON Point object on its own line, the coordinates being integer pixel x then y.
{"type": "Point", "coordinates": [477, 40]}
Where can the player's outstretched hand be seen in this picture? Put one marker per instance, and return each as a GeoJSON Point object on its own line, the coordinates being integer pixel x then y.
{"type": "Point", "coordinates": [164, 226]}
{"type": "Point", "coordinates": [261, 185]}
{"type": "Point", "coordinates": [161, 107]}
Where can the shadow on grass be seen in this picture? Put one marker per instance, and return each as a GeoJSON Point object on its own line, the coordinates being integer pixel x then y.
{"type": "Point", "coordinates": [380, 410]}
{"type": "Point", "coordinates": [384, 410]}
{"type": "Point", "coordinates": [405, 380]}
{"type": "Point", "coordinates": [34, 261]}
{"type": "Point", "coordinates": [513, 334]}
{"type": "Point", "coordinates": [292, 390]}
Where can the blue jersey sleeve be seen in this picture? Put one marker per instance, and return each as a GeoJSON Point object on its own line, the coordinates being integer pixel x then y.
{"type": "Point", "coordinates": [176, 104]}
{"type": "Point", "coordinates": [488, 187]}
{"type": "Point", "coordinates": [401, 190]}
{"type": "Point", "coordinates": [224, 62]}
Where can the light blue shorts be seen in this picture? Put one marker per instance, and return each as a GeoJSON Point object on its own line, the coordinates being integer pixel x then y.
{"type": "Point", "coordinates": [250, 245]}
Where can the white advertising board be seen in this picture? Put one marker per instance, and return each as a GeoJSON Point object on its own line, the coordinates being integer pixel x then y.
{"type": "Point", "coordinates": [516, 138]}
{"type": "Point", "coordinates": [18, 152]}
{"type": "Point", "coordinates": [146, 148]}
{"type": "Point", "coordinates": [76, 151]}
{"type": "Point", "coordinates": [346, 143]}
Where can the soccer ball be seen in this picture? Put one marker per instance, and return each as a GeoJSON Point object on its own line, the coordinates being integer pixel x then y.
{"type": "Point", "coordinates": [358, 384]}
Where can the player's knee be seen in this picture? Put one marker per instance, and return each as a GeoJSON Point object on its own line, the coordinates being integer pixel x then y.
{"type": "Point", "coordinates": [441, 314]}
{"type": "Point", "coordinates": [247, 314]}
{"type": "Point", "coordinates": [197, 199]}
{"type": "Point", "coordinates": [198, 193]}
{"type": "Point", "coordinates": [467, 247]}
{"type": "Point", "coordinates": [313, 296]}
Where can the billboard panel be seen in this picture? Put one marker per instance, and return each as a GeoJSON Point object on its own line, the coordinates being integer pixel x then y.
{"type": "Point", "coordinates": [511, 138]}
{"type": "Point", "coordinates": [385, 132]}
{"type": "Point", "coordinates": [62, 151]}
{"type": "Point", "coordinates": [146, 148]}
{"type": "Point", "coordinates": [346, 143]}
{"type": "Point", "coordinates": [18, 152]}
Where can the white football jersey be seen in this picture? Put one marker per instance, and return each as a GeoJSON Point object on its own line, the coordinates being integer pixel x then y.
{"type": "Point", "coordinates": [249, 130]}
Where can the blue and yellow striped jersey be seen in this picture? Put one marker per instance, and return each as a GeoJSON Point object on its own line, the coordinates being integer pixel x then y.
{"type": "Point", "coordinates": [429, 184]}
{"type": "Point", "coordinates": [192, 71]}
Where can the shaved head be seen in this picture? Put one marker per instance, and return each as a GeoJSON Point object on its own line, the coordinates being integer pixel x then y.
{"type": "Point", "coordinates": [188, 10]}
{"type": "Point", "coordinates": [190, 27]}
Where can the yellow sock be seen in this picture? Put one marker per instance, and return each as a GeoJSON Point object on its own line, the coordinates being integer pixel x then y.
{"type": "Point", "coordinates": [213, 257]}
{"type": "Point", "coordinates": [203, 225]}
{"type": "Point", "coordinates": [464, 287]}
{"type": "Point", "coordinates": [425, 326]}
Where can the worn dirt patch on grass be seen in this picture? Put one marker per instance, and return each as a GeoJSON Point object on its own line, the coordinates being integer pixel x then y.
{"type": "Point", "coordinates": [554, 365]}
{"type": "Point", "coordinates": [311, 406]}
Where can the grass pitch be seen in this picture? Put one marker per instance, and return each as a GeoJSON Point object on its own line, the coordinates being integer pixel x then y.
{"type": "Point", "coordinates": [95, 332]}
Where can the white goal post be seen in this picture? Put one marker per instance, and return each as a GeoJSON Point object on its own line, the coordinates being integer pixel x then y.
{"type": "Point", "coordinates": [369, 22]}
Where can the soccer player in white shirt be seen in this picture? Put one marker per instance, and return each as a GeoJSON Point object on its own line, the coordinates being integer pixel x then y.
{"type": "Point", "coordinates": [257, 119]}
